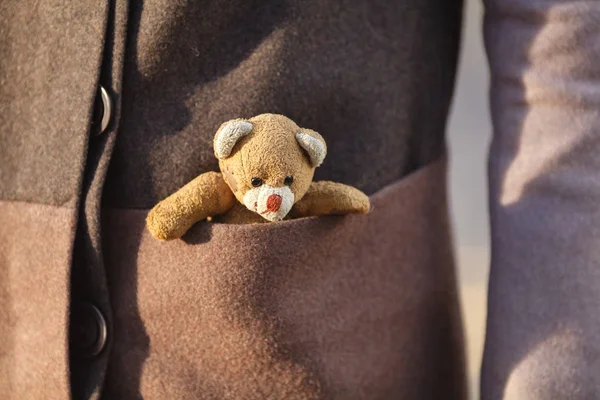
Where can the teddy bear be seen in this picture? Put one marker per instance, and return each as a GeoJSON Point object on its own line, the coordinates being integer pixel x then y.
{"type": "Point", "coordinates": [267, 165]}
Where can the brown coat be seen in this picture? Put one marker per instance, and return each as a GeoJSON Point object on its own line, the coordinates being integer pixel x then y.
{"type": "Point", "coordinates": [357, 307]}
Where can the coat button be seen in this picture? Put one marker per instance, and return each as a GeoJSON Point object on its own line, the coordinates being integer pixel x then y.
{"type": "Point", "coordinates": [102, 112]}
{"type": "Point", "coordinates": [88, 329]}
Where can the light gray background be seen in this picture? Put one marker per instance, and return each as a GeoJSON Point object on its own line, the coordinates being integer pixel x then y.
{"type": "Point", "coordinates": [468, 140]}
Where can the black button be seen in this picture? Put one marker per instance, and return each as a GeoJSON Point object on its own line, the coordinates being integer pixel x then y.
{"type": "Point", "coordinates": [88, 330]}
{"type": "Point", "coordinates": [102, 112]}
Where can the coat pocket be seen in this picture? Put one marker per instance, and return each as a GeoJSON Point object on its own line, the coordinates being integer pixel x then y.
{"type": "Point", "coordinates": [352, 307]}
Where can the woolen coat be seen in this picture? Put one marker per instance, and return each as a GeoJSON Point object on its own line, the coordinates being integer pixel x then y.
{"type": "Point", "coordinates": [353, 307]}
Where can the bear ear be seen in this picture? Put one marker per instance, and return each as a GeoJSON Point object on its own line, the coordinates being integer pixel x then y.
{"type": "Point", "coordinates": [228, 135]}
{"type": "Point", "coordinates": [314, 145]}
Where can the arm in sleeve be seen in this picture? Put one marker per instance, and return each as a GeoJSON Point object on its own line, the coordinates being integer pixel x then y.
{"type": "Point", "coordinates": [543, 328]}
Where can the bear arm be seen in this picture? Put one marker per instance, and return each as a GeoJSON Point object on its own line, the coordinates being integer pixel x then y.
{"type": "Point", "coordinates": [205, 196]}
{"type": "Point", "coordinates": [330, 198]}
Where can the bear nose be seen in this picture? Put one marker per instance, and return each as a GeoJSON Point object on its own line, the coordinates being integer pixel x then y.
{"type": "Point", "coordinates": [274, 202]}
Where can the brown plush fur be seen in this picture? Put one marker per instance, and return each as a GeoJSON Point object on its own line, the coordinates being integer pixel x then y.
{"type": "Point", "coordinates": [323, 198]}
{"type": "Point", "coordinates": [204, 196]}
{"type": "Point", "coordinates": [270, 152]}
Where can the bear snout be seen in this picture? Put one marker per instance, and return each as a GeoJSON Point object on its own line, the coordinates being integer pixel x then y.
{"type": "Point", "coordinates": [274, 202]}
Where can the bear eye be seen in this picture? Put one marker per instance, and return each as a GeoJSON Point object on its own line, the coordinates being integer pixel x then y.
{"type": "Point", "coordinates": [288, 180]}
{"type": "Point", "coordinates": [256, 182]}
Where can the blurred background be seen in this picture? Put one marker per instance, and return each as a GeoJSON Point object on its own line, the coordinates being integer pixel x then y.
{"type": "Point", "coordinates": [469, 134]}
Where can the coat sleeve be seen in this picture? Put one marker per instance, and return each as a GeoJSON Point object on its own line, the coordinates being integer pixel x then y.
{"type": "Point", "coordinates": [543, 328]}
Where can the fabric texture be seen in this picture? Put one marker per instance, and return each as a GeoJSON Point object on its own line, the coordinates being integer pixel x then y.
{"type": "Point", "coordinates": [374, 78]}
{"type": "Point", "coordinates": [36, 242]}
{"type": "Point", "coordinates": [87, 275]}
{"type": "Point", "coordinates": [314, 308]}
{"type": "Point", "coordinates": [50, 55]}
{"type": "Point", "coordinates": [543, 332]}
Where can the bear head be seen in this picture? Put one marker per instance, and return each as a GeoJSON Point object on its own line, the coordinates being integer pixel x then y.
{"type": "Point", "coordinates": [268, 162]}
